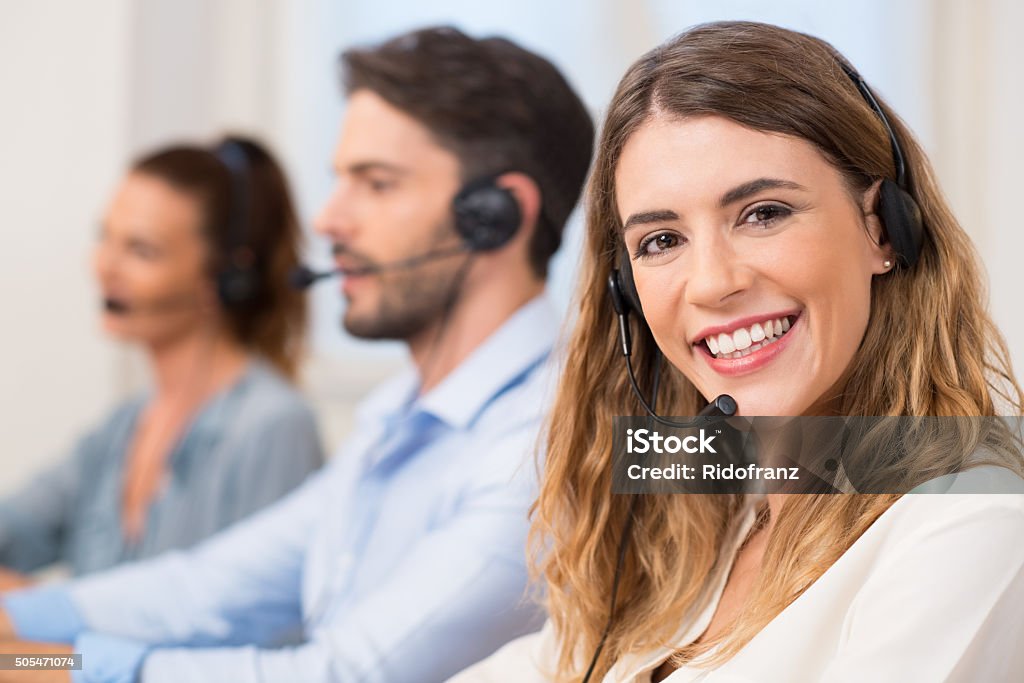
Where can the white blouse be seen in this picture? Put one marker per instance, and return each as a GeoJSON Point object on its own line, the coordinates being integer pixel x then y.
{"type": "Point", "coordinates": [932, 591]}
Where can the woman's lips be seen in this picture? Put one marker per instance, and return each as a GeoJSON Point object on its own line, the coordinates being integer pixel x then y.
{"type": "Point", "coordinates": [756, 360]}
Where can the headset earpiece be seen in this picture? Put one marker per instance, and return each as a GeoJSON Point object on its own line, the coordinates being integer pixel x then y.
{"type": "Point", "coordinates": [901, 219]}
{"type": "Point", "coordinates": [238, 282]}
{"type": "Point", "coordinates": [486, 216]}
{"type": "Point", "coordinates": [626, 285]}
{"type": "Point", "coordinates": [625, 301]}
{"type": "Point", "coordinates": [899, 213]}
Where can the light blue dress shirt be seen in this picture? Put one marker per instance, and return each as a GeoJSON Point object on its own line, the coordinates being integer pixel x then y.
{"type": "Point", "coordinates": [403, 560]}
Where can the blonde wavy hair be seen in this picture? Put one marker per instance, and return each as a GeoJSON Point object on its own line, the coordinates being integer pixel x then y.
{"type": "Point", "coordinates": [947, 359]}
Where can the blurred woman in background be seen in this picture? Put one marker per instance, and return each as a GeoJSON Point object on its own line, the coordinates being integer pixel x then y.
{"type": "Point", "coordinates": [192, 262]}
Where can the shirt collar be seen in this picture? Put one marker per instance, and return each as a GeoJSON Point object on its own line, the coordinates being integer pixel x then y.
{"type": "Point", "coordinates": [212, 421]}
{"type": "Point", "coordinates": [389, 398]}
{"type": "Point", "coordinates": [523, 340]}
{"type": "Point", "coordinates": [505, 356]}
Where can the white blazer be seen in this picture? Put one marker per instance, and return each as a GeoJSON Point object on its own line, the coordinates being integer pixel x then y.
{"type": "Point", "coordinates": [932, 591]}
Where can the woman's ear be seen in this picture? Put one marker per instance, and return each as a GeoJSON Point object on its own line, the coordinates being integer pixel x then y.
{"type": "Point", "coordinates": [882, 253]}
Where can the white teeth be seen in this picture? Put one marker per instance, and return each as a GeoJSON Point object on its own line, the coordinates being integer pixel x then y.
{"type": "Point", "coordinates": [725, 343]}
{"type": "Point", "coordinates": [746, 340]}
{"type": "Point", "coordinates": [742, 338]}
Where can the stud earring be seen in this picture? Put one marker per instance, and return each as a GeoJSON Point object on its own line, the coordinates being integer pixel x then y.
{"type": "Point", "coordinates": [887, 264]}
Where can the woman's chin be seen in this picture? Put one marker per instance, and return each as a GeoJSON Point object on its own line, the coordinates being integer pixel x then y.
{"type": "Point", "coordinates": [118, 330]}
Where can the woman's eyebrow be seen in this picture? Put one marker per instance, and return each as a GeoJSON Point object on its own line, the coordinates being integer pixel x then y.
{"type": "Point", "coordinates": [741, 192]}
{"type": "Point", "coordinates": [738, 193]}
{"type": "Point", "coordinates": [649, 217]}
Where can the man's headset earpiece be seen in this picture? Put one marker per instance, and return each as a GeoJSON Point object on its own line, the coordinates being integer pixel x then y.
{"type": "Point", "coordinates": [486, 216]}
{"type": "Point", "coordinates": [897, 210]}
{"type": "Point", "coordinates": [238, 282]}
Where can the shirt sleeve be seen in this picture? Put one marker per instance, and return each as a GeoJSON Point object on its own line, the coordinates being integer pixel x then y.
{"type": "Point", "coordinates": [458, 595]}
{"type": "Point", "coordinates": [34, 519]}
{"type": "Point", "coordinates": [945, 606]}
{"type": "Point", "coordinates": [43, 614]}
{"type": "Point", "coordinates": [241, 585]}
{"type": "Point", "coordinates": [111, 659]}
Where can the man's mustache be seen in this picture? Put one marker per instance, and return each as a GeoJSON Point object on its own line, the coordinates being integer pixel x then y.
{"type": "Point", "coordinates": [366, 266]}
{"type": "Point", "coordinates": [355, 263]}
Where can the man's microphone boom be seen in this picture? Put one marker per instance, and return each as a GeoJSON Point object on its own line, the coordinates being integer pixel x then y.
{"type": "Point", "coordinates": [302, 277]}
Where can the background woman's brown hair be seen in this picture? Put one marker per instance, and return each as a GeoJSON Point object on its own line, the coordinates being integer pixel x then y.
{"type": "Point", "coordinates": [272, 322]}
{"type": "Point", "coordinates": [930, 348]}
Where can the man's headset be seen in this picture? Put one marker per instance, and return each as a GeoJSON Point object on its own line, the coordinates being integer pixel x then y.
{"type": "Point", "coordinates": [900, 217]}
{"type": "Point", "coordinates": [486, 215]}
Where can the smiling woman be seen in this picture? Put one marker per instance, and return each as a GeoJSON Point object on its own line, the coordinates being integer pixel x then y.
{"type": "Point", "coordinates": [788, 246]}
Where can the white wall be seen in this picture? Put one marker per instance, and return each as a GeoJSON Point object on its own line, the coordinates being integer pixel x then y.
{"type": "Point", "coordinates": [63, 123]}
{"type": "Point", "coordinates": [1002, 172]}
{"type": "Point", "coordinates": [978, 103]}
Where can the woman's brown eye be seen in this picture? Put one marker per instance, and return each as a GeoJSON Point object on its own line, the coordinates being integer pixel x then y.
{"type": "Point", "coordinates": [662, 242]}
{"type": "Point", "coordinates": [764, 215]}
{"type": "Point", "coordinates": [655, 244]}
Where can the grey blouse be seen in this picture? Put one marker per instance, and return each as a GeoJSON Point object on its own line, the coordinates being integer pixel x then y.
{"type": "Point", "coordinates": [248, 446]}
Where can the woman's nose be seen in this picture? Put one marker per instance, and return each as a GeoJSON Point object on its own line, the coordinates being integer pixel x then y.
{"type": "Point", "coordinates": [103, 261]}
{"type": "Point", "coordinates": [715, 273]}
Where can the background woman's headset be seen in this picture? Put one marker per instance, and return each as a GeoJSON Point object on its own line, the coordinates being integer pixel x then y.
{"type": "Point", "coordinates": [238, 281]}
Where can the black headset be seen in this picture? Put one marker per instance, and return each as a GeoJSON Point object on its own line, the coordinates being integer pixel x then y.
{"type": "Point", "coordinates": [486, 216]}
{"type": "Point", "coordinates": [238, 281]}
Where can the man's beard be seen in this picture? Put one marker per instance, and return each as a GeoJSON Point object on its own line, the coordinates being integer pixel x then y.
{"type": "Point", "coordinates": [409, 302]}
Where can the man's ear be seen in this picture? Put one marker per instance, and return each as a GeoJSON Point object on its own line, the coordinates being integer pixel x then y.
{"type": "Point", "coordinates": [527, 194]}
{"type": "Point", "coordinates": [880, 245]}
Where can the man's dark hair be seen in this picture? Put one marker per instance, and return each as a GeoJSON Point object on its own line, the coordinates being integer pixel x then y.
{"type": "Point", "coordinates": [495, 106]}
